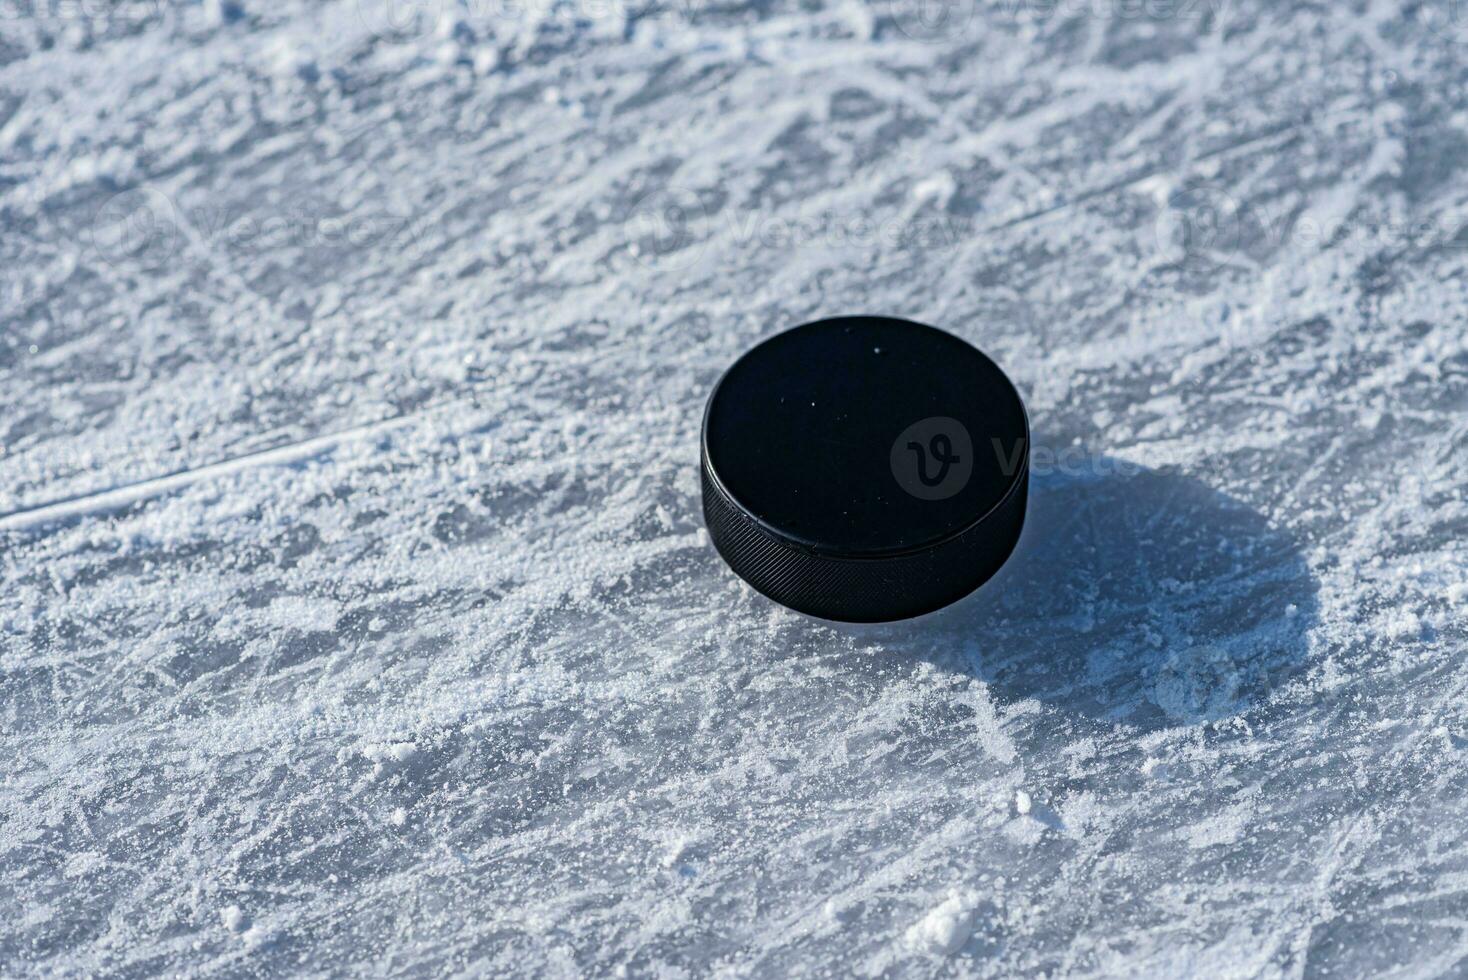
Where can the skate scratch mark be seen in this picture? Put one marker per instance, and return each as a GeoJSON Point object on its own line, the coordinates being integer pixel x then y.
{"type": "Point", "coordinates": [116, 498]}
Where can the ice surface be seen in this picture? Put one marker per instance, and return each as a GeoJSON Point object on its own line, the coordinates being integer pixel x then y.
{"type": "Point", "coordinates": [355, 610]}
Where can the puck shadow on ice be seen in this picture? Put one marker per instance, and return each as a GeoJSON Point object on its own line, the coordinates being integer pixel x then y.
{"type": "Point", "coordinates": [1135, 596]}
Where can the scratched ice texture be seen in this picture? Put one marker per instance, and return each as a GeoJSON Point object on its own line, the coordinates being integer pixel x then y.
{"type": "Point", "coordinates": [356, 614]}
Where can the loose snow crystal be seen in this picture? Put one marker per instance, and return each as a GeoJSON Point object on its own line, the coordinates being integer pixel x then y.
{"type": "Point", "coordinates": [946, 928]}
{"type": "Point", "coordinates": [234, 918]}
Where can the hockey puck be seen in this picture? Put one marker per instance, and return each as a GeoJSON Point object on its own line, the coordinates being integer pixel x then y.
{"type": "Point", "coordinates": [864, 468]}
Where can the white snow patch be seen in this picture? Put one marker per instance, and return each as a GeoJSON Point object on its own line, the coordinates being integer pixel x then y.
{"type": "Point", "coordinates": [1401, 624]}
{"type": "Point", "coordinates": [947, 927]}
{"type": "Point", "coordinates": [390, 755]}
{"type": "Point", "coordinates": [836, 911]}
{"type": "Point", "coordinates": [305, 613]}
{"type": "Point", "coordinates": [1155, 768]}
{"type": "Point", "coordinates": [234, 918]}
{"type": "Point", "coordinates": [676, 851]}
{"type": "Point", "coordinates": [938, 188]}
{"type": "Point", "coordinates": [292, 56]}
{"type": "Point", "coordinates": [83, 864]}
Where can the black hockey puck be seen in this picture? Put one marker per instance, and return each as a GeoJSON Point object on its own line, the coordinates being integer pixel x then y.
{"type": "Point", "coordinates": [865, 468]}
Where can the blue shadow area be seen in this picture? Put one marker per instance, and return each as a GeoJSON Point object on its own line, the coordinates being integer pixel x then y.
{"type": "Point", "coordinates": [1135, 596]}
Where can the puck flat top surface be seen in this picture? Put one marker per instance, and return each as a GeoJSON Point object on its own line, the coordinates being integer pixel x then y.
{"type": "Point", "coordinates": [865, 437]}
